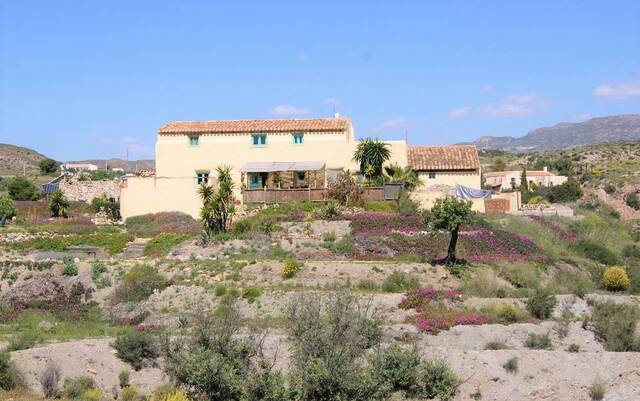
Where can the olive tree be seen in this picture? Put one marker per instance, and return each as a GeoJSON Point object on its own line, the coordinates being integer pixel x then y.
{"type": "Point", "coordinates": [449, 214]}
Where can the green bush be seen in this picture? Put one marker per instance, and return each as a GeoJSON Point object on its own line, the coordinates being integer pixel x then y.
{"type": "Point", "coordinates": [70, 268]}
{"type": "Point", "coordinates": [631, 251]}
{"type": "Point", "coordinates": [539, 341]}
{"type": "Point", "coordinates": [614, 325]}
{"type": "Point", "coordinates": [437, 380]}
{"type": "Point", "coordinates": [330, 211]}
{"type": "Point", "coordinates": [573, 348]}
{"type": "Point", "coordinates": [399, 282]}
{"type": "Point", "coordinates": [495, 345]}
{"type": "Point", "coordinates": [633, 201]}
{"type": "Point", "coordinates": [597, 389]}
{"type": "Point", "coordinates": [343, 246]}
{"type": "Point", "coordinates": [541, 303]}
{"type": "Point", "coordinates": [150, 225]}
{"type": "Point", "coordinates": [610, 189]}
{"type": "Point", "coordinates": [242, 226]}
{"type": "Point", "coordinates": [139, 283]}
{"type": "Point", "coordinates": [75, 388]}
{"type": "Point", "coordinates": [596, 252]}
{"type": "Point", "coordinates": [511, 365]}
{"type": "Point", "coordinates": [329, 237]}
{"type": "Point", "coordinates": [9, 379]}
{"type": "Point", "coordinates": [136, 348]}
{"type": "Point", "coordinates": [123, 378]}
{"type": "Point", "coordinates": [162, 244]}
{"type": "Point", "coordinates": [112, 208]}
{"type": "Point", "coordinates": [251, 294]}
{"type": "Point", "coordinates": [21, 189]}
{"type": "Point", "coordinates": [7, 210]}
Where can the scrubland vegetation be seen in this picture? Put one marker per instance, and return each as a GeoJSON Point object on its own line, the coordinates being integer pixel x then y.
{"type": "Point", "coordinates": [307, 301]}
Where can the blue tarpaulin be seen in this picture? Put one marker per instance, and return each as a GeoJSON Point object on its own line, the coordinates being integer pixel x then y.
{"type": "Point", "coordinates": [463, 192]}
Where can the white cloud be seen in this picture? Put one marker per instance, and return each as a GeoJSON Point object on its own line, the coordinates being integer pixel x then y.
{"type": "Point", "coordinates": [393, 125]}
{"type": "Point", "coordinates": [460, 112]}
{"type": "Point", "coordinates": [331, 101]}
{"type": "Point", "coordinates": [619, 90]}
{"type": "Point", "coordinates": [284, 110]}
{"type": "Point", "coordinates": [487, 88]}
{"type": "Point", "coordinates": [515, 106]}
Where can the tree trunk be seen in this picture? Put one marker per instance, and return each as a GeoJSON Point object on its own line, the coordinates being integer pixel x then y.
{"type": "Point", "coordinates": [451, 252]}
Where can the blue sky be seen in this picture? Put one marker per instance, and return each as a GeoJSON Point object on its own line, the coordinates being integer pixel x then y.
{"type": "Point", "coordinates": [83, 79]}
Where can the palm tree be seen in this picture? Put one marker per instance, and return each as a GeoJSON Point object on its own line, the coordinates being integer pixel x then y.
{"type": "Point", "coordinates": [371, 152]}
{"type": "Point", "coordinates": [406, 176]}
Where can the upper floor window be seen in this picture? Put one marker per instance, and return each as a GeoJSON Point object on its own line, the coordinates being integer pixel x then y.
{"type": "Point", "coordinates": [202, 177]}
{"type": "Point", "coordinates": [298, 138]}
{"type": "Point", "coordinates": [259, 140]}
{"type": "Point", "coordinates": [432, 175]}
{"type": "Point", "coordinates": [194, 140]}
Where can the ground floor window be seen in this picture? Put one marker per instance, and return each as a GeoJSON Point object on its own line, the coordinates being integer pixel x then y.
{"type": "Point", "coordinates": [432, 175]}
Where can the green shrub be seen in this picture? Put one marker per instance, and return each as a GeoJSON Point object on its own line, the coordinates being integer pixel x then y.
{"type": "Point", "coordinates": [102, 203]}
{"type": "Point", "coordinates": [574, 348]}
{"type": "Point", "coordinates": [139, 283]}
{"type": "Point", "coordinates": [69, 267]}
{"type": "Point", "coordinates": [21, 189]}
{"type": "Point", "coordinates": [541, 303]}
{"type": "Point", "coordinates": [291, 268]}
{"type": "Point", "coordinates": [329, 236]}
{"type": "Point", "coordinates": [162, 244]}
{"type": "Point", "coordinates": [506, 314]}
{"type": "Point", "coordinates": [343, 246]}
{"type": "Point", "coordinates": [242, 226]}
{"type": "Point", "coordinates": [220, 290]}
{"type": "Point", "coordinates": [614, 325]}
{"type": "Point", "coordinates": [495, 345]}
{"type": "Point", "coordinates": [631, 251]}
{"type": "Point", "coordinates": [7, 210]}
{"type": "Point", "coordinates": [279, 253]}
{"type": "Point", "coordinates": [436, 379]}
{"type": "Point", "coordinates": [75, 388]}
{"type": "Point", "coordinates": [330, 211]}
{"type": "Point", "coordinates": [367, 285]}
{"type": "Point", "coordinates": [633, 201]}
{"type": "Point", "coordinates": [24, 340]}
{"type": "Point", "coordinates": [268, 227]}
{"type": "Point", "coordinates": [136, 348]}
{"type": "Point", "coordinates": [251, 294]}
{"type": "Point", "coordinates": [150, 225]}
{"type": "Point", "coordinates": [539, 341]}
{"type": "Point", "coordinates": [9, 379]}
{"type": "Point", "coordinates": [48, 166]}
{"type": "Point", "coordinates": [610, 189]}
{"type": "Point", "coordinates": [597, 389]}
{"type": "Point", "coordinates": [596, 252]}
{"type": "Point", "coordinates": [123, 378]}
{"type": "Point", "coordinates": [399, 282]}
{"type": "Point", "coordinates": [511, 366]}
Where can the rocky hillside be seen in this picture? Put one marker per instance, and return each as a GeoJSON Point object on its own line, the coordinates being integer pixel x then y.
{"type": "Point", "coordinates": [17, 160]}
{"type": "Point", "coordinates": [566, 135]}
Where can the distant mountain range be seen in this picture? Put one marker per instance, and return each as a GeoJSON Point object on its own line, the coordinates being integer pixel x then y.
{"type": "Point", "coordinates": [625, 127]}
{"type": "Point", "coordinates": [16, 160]}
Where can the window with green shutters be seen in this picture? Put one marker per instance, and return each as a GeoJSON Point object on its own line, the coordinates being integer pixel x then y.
{"type": "Point", "coordinates": [298, 139]}
{"type": "Point", "coordinates": [194, 140]}
{"type": "Point", "coordinates": [259, 140]}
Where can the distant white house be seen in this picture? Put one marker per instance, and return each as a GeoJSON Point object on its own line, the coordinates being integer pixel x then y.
{"type": "Point", "coordinates": [117, 170]}
{"type": "Point", "coordinates": [511, 179]}
{"type": "Point", "coordinates": [79, 167]}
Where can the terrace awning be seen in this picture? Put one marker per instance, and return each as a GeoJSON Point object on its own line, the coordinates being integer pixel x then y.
{"type": "Point", "coordinates": [269, 167]}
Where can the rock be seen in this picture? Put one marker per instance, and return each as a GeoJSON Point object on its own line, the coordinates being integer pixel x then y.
{"type": "Point", "coordinates": [45, 325]}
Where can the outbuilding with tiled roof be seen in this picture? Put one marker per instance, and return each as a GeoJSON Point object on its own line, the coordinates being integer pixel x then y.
{"type": "Point", "coordinates": [443, 158]}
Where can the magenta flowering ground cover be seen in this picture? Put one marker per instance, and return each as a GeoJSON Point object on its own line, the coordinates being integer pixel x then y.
{"type": "Point", "coordinates": [560, 232]}
{"type": "Point", "coordinates": [439, 310]}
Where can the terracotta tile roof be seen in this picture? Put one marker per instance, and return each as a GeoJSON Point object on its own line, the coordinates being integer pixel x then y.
{"type": "Point", "coordinates": [530, 173]}
{"type": "Point", "coordinates": [434, 158]}
{"type": "Point", "coordinates": [246, 126]}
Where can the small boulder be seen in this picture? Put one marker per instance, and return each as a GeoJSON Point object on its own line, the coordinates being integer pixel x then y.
{"type": "Point", "coordinates": [45, 325]}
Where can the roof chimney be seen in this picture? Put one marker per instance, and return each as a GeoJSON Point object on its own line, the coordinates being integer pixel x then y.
{"type": "Point", "coordinates": [544, 168]}
{"type": "Point", "coordinates": [336, 114]}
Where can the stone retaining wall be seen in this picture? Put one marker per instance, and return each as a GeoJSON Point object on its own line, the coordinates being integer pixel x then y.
{"type": "Point", "coordinates": [84, 191]}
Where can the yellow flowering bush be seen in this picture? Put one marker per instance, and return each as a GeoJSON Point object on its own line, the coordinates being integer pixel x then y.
{"type": "Point", "coordinates": [291, 268]}
{"type": "Point", "coordinates": [615, 279]}
{"type": "Point", "coordinates": [129, 393]}
{"type": "Point", "coordinates": [94, 394]}
{"type": "Point", "coordinates": [168, 394]}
